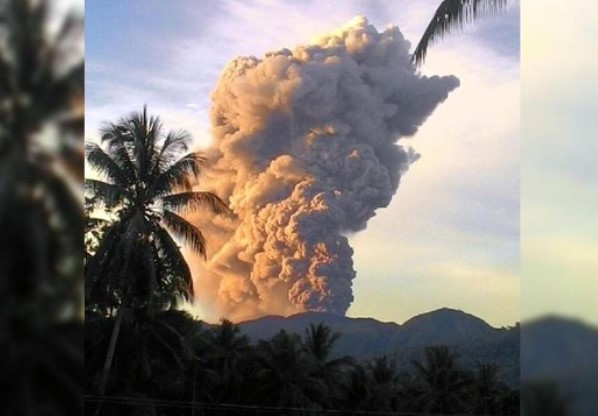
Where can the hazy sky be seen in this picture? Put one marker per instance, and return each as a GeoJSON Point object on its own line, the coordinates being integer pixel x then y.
{"type": "Point", "coordinates": [559, 195]}
{"type": "Point", "coordinates": [450, 238]}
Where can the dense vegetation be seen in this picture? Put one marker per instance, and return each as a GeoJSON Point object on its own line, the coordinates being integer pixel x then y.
{"type": "Point", "coordinates": [144, 357]}
{"type": "Point", "coordinates": [170, 364]}
{"type": "Point", "coordinates": [133, 266]}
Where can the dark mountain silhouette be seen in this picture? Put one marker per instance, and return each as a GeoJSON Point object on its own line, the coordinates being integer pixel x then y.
{"type": "Point", "coordinates": [555, 345]}
{"type": "Point", "coordinates": [365, 338]}
{"type": "Point", "coordinates": [445, 326]}
{"type": "Point", "coordinates": [563, 352]}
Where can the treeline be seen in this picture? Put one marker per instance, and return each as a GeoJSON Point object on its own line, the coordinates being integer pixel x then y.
{"type": "Point", "coordinates": [143, 357]}
{"type": "Point", "coordinates": [171, 364]}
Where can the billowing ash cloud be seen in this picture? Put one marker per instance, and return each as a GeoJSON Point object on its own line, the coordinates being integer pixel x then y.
{"type": "Point", "coordinates": [305, 150]}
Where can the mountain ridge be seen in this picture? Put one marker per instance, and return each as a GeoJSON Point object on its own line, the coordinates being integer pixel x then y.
{"type": "Point", "coordinates": [364, 338]}
{"type": "Point", "coordinates": [434, 312]}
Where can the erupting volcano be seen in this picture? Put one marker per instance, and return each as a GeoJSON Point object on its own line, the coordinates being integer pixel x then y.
{"type": "Point", "coordinates": [306, 147]}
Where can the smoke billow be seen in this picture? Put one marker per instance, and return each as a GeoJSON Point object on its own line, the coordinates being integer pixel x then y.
{"type": "Point", "coordinates": [305, 150]}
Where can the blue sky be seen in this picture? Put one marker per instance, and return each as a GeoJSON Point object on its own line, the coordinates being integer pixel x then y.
{"type": "Point", "coordinates": [451, 235]}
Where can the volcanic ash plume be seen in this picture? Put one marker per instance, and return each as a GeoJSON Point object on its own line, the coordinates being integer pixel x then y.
{"type": "Point", "coordinates": [305, 150]}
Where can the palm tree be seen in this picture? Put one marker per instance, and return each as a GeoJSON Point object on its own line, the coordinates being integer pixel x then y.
{"type": "Point", "coordinates": [147, 185]}
{"type": "Point", "coordinates": [319, 341]}
{"type": "Point", "coordinates": [443, 387]}
{"type": "Point", "coordinates": [384, 383]}
{"type": "Point", "coordinates": [488, 390]}
{"type": "Point", "coordinates": [225, 350]}
{"type": "Point", "coordinates": [287, 374]}
{"type": "Point", "coordinates": [356, 390]}
{"type": "Point", "coordinates": [40, 216]}
{"type": "Point", "coordinates": [450, 15]}
{"type": "Point", "coordinates": [162, 356]}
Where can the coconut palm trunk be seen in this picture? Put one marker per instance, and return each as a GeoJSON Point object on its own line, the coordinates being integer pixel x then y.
{"type": "Point", "coordinates": [109, 357]}
{"type": "Point", "coordinates": [120, 314]}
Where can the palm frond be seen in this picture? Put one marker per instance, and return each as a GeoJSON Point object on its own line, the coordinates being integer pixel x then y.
{"type": "Point", "coordinates": [185, 231]}
{"type": "Point", "coordinates": [195, 201]}
{"type": "Point", "coordinates": [179, 272]}
{"type": "Point", "coordinates": [66, 208]}
{"type": "Point", "coordinates": [115, 134]}
{"type": "Point", "coordinates": [178, 175]}
{"type": "Point", "coordinates": [121, 155]}
{"type": "Point", "coordinates": [55, 96]}
{"type": "Point", "coordinates": [97, 270]}
{"type": "Point", "coordinates": [121, 143]}
{"type": "Point", "coordinates": [145, 132]}
{"type": "Point", "coordinates": [108, 194]}
{"type": "Point", "coordinates": [450, 16]}
{"type": "Point", "coordinates": [93, 223]}
{"type": "Point", "coordinates": [110, 264]}
{"type": "Point", "coordinates": [71, 25]}
{"type": "Point", "coordinates": [175, 143]}
{"type": "Point", "coordinates": [105, 164]}
{"type": "Point", "coordinates": [138, 127]}
{"type": "Point", "coordinates": [30, 68]}
{"type": "Point", "coordinates": [153, 133]}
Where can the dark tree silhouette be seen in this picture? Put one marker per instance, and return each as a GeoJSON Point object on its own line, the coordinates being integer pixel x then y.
{"type": "Point", "coordinates": [318, 342]}
{"type": "Point", "coordinates": [148, 185]}
{"type": "Point", "coordinates": [138, 265]}
{"type": "Point", "coordinates": [41, 82]}
{"type": "Point", "coordinates": [226, 351]}
{"type": "Point", "coordinates": [543, 398]}
{"type": "Point", "coordinates": [489, 393]}
{"type": "Point", "coordinates": [356, 390]}
{"type": "Point", "coordinates": [383, 382]}
{"type": "Point", "coordinates": [180, 366]}
{"type": "Point", "coordinates": [450, 16]}
{"type": "Point", "coordinates": [443, 387]}
{"type": "Point", "coordinates": [287, 374]}
{"type": "Point", "coordinates": [150, 361]}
